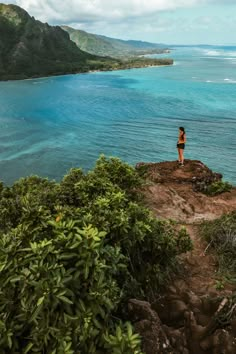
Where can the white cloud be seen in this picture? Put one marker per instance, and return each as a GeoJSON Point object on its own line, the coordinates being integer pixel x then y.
{"type": "Point", "coordinates": [154, 20]}
{"type": "Point", "coordinates": [89, 10]}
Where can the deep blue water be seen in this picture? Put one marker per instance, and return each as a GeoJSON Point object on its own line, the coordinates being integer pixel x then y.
{"type": "Point", "coordinates": [52, 124]}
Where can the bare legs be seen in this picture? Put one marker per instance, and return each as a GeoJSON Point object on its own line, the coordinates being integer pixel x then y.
{"type": "Point", "coordinates": [181, 156]}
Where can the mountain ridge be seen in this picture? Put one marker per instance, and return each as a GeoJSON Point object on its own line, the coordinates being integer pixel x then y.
{"type": "Point", "coordinates": [30, 48]}
{"type": "Point", "coordinates": [102, 45]}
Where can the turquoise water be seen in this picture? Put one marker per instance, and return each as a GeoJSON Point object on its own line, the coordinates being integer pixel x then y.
{"type": "Point", "coordinates": [52, 124]}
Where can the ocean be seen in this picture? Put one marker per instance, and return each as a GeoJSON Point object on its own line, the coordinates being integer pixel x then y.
{"type": "Point", "coordinates": [50, 125]}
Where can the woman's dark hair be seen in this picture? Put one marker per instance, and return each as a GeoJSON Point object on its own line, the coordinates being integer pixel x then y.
{"type": "Point", "coordinates": [183, 131]}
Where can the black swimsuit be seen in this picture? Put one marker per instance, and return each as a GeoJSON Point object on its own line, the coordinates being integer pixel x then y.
{"type": "Point", "coordinates": [180, 145]}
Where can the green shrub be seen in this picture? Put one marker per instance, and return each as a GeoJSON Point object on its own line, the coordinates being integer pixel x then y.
{"type": "Point", "coordinates": [221, 236]}
{"type": "Point", "coordinates": [142, 169]}
{"type": "Point", "coordinates": [123, 341]}
{"type": "Point", "coordinates": [218, 188]}
{"type": "Point", "coordinates": [68, 194]}
{"type": "Point", "coordinates": [118, 172]}
{"type": "Point", "coordinates": [27, 198]}
{"type": "Point", "coordinates": [72, 253]}
{"type": "Point", "coordinates": [41, 279]}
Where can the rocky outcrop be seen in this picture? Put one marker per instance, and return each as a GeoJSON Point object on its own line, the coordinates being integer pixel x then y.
{"type": "Point", "coordinates": [182, 322]}
{"type": "Point", "coordinates": [175, 192]}
{"type": "Point", "coordinates": [194, 172]}
{"type": "Point", "coordinates": [149, 326]}
{"type": "Point", "coordinates": [191, 316]}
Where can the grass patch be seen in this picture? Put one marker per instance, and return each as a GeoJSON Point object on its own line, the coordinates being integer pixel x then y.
{"type": "Point", "coordinates": [217, 188]}
{"type": "Point", "coordinates": [221, 236]}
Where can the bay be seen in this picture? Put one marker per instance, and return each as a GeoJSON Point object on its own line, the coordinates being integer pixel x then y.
{"type": "Point", "coordinates": [49, 125]}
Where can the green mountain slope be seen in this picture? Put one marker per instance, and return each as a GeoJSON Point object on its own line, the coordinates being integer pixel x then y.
{"type": "Point", "coordinates": [101, 45]}
{"type": "Point", "coordinates": [30, 48]}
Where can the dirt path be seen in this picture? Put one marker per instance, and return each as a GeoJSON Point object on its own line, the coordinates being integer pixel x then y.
{"type": "Point", "coordinates": [200, 266]}
{"type": "Point", "coordinates": [172, 192]}
{"type": "Point", "coordinates": [191, 308]}
{"type": "Point", "coordinates": [184, 319]}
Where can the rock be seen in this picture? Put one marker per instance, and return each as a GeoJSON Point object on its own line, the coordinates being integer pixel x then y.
{"type": "Point", "coordinates": [175, 192]}
{"type": "Point", "coordinates": [170, 310]}
{"type": "Point", "coordinates": [193, 300]}
{"type": "Point", "coordinates": [210, 304]}
{"type": "Point", "coordinates": [172, 290]}
{"type": "Point", "coordinates": [148, 325]}
{"type": "Point", "coordinates": [180, 285]}
{"type": "Point", "coordinates": [223, 342]}
{"type": "Point", "coordinates": [233, 326]}
{"type": "Point", "coordinates": [202, 319]}
{"type": "Point", "coordinates": [176, 337]}
{"type": "Point", "coordinates": [169, 171]}
{"type": "Point", "coordinates": [199, 334]}
{"type": "Point", "coordinates": [193, 333]}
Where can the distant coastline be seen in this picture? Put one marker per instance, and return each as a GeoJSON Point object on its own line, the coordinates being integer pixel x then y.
{"type": "Point", "coordinates": [120, 69]}
{"type": "Point", "coordinates": [63, 52]}
{"type": "Point", "coordinates": [135, 63]}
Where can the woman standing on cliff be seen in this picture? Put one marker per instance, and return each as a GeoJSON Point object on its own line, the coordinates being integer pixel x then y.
{"type": "Point", "coordinates": [181, 145]}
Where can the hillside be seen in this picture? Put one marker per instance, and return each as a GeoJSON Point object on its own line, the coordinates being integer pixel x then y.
{"type": "Point", "coordinates": [80, 256]}
{"type": "Point", "coordinates": [102, 45]}
{"type": "Point", "coordinates": [30, 48]}
{"type": "Point", "coordinates": [196, 312]}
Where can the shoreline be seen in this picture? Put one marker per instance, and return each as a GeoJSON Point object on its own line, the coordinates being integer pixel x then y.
{"type": "Point", "coordinates": [88, 72]}
{"type": "Point", "coordinates": [140, 67]}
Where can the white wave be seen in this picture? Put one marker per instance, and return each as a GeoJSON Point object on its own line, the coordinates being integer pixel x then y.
{"type": "Point", "coordinates": [213, 53]}
{"type": "Point", "coordinates": [208, 57]}
{"type": "Point", "coordinates": [226, 81]}
{"type": "Point", "coordinates": [218, 53]}
{"type": "Point", "coordinates": [233, 60]}
{"type": "Point", "coordinates": [230, 81]}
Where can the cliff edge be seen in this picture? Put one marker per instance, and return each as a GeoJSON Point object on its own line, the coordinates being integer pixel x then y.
{"type": "Point", "coordinates": [193, 315]}
{"type": "Point", "coordinates": [178, 192]}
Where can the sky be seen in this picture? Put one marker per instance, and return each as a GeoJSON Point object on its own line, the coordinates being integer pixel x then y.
{"type": "Point", "coordinates": [159, 21]}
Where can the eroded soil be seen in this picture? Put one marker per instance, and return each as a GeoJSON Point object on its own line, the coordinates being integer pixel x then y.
{"type": "Point", "coordinates": [193, 316]}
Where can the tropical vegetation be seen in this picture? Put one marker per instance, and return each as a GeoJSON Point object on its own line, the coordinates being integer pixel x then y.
{"type": "Point", "coordinates": [72, 253]}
